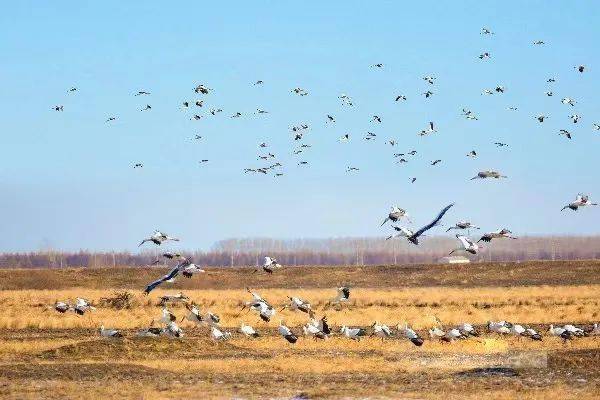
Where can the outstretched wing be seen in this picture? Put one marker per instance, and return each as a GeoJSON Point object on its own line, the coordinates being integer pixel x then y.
{"type": "Point", "coordinates": [172, 274]}
{"type": "Point", "coordinates": [432, 223]}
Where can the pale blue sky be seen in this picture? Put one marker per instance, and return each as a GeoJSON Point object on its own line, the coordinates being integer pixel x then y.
{"type": "Point", "coordinates": [67, 178]}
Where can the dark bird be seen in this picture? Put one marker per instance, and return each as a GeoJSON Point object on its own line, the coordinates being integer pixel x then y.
{"type": "Point", "coordinates": [580, 68]}
{"type": "Point", "coordinates": [141, 93]}
{"type": "Point", "coordinates": [414, 238]}
{"type": "Point", "coordinates": [138, 165]}
{"type": "Point", "coordinates": [485, 55]}
{"type": "Point", "coordinates": [73, 89]}
{"type": "Point", "coordinates": [58, 108]}
{"type": "Point", "coordinates": [199, 103]}
{"type": "Point", "coordinates": [500, 144]}
{"type": "Point", "coordinates": [436, 162]}
{"type": "Point", "coordinates": [413, 180]}
{"type": "Point", "coordinates": [330, 118]}
{"type": "Point", "coordinates": [376, 118]}
{"type": "Point", "coordinates": [148, 107]}
{"type": "Point", "coordinates": [566, 133]}
{"type": "Point", "coordinates": [400, 97]}
{"type": "Point", "coordinates": [110, 119]}
{"type": "Point", "coordinates": [258, 83]}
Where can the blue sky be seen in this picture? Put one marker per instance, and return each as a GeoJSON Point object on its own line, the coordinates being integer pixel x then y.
{"type": "Point", "coordinates": [67, 178]}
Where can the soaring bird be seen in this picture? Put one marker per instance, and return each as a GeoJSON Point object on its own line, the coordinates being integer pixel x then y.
{"type": "Point", "coordinates": [435, 162]}
{"type": "Point", "coordinates": [541, 117]}
{"type": "Point", "coordinates": [488, 174]}
{"type": "Point", "coordinates": [428, 94]}
{"type": "Point", "coordinates": [168, 277]}
{"type": "Point", "coordinates": [486, 31]}
{"type": "Point", "coordinates": [462, 225]}
{"type": "Point", "coordinates": [596, 127]}
{"type": "Point", "coordinates": [466, 245]}
{"type": "Point", "coordinates": [202, 89]}
{"type": "Point", "coordinates": [258, 83]}
{"type": "Point", "coordinates": [581, 200]}
{"type": "Point", "coordinates": [429, 130]}
{"type": "Point", "coordinates": [376, 118]}
{"type": "Point", "coordinates": [472, 154]}
{"type": "Point", "coordinates": [110, 119]}
{"type": "Point", "coordinates": [58, 108]}
{"type": "Point", "coordinates": [538, 42]}
{"type": "Point", "coordinates": [429, 79]}
{"type": "Point", "coordinates": [300, 91]}
{"type": "Point", "coordinates": [500, 144]}
{"type": "Point", "coordinates": [575, 118]}
{"type": "Point", "coordinates": [379, 65]}
{"type": "Point", "coordinates": [414, 238]}
{"type": "Point", "coordinates": [400, 97]}
{"type": "Point", "coordinates": [330, 118]}
{"type": "Point", "coordinates": [497, 234]}
{"type": "Point", "coordinates": [142, 93]}
{"type": "Point", "coordinates": [297, 304]}
{"type": "Point", "coordinates": [401, 231]}
{"type": "Point", "coordinates": [396, 213]}
{"type": "Point", "coordinates": [158, 238]}
{"type": "Point", "coordinates": [485, 56]}
{"type": "Point", "coordinates": [569, 101]}
{"type": "Point", "coordinates": [565, 132]}
{"type": "Point", "coordinates": [549, 93]}
{"type": "Point", "coordinates": [580, 68]}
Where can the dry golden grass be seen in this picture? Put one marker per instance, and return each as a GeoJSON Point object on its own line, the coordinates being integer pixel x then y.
{"type": "Point", "coordinates": [44, 354]}
{"type": "Point", "coordinates": [417, 306]}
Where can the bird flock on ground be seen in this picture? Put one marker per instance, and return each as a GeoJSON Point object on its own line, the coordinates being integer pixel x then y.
{"type": "Point", "coordinates": [319, 327]}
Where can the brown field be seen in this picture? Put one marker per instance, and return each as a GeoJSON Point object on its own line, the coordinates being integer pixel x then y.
{"type": "Point", "coordinates": [45, 354]}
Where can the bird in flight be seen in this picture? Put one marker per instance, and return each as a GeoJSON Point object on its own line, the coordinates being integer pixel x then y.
{"type": "Point", "coordinates": [580, 68]}
{"type": "Point", "coordinates": [472, 154]}
{"type": "Point", "coordinates": [466, 245]}
{"type": "Point", "coordinates": [486, 31]}
{"type": "Point", "coordinates": [58, 108]}
{"type": "Point", "coordinates": [500, 144]}
{"type": "Point", "coordinates": [575, 118]}
{"type": "Point", "coordinates": [488, 174]}
{"type": "Point", "coordinates": [565, 132]}
{"type": "Point", "coordinates": [400, 97]}
{"type": "Point", "coordinates": [436, 162]}
{"type": "Point", "coordinates": [414, 238]}
{"type": "Point", "coordinates": [581, 200]}
{"type": "Point", "coordinates": [142, 93]}
{"type": "Point", "coordinates": [110, 119]}
{"type": "Point", "coordinates": [158, 238]}
{"type": "Point", "coordinates": [138, 165]}
{"type": "Point", "coordinates": [395, 214]}
{"type": "Point", "coordinates": [484, 56]}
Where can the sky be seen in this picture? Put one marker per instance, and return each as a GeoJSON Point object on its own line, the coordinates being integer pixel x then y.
{"type": "Point", "coordinates": [67, 178]}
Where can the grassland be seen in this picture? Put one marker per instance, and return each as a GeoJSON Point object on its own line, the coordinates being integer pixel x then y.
{"type": "Point", "coordinates": [44, 354]}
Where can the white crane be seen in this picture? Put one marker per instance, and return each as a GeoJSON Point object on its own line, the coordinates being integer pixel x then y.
{"type": "Point", "coordinates": [167, 316]}
{"type": "Point", "coordinates": [595, 330]}
{"type": "Point", "coordinates": [189, 270]}
{"type": "Point", "coordinates": [569, 101]}
{"type": "Point", "coordinates": [500, 327]}
{"type": "Point", "coordinates": [462, 225]}
{"type": "Point", "coordinates": [410, 334]}
{"type": "Point", "coordinates": [158, 238]}
{"type": "Point", "coordinates": [497, 234]}
{"type": "Point", "coordinates": [82, 305]}
{"type": "Point", "coordinates": [381, 331]}
{"type": "Point", "coordinates": [466, 245]}
{"type": "Point", "coordinates": [488, 174]}
{"type": "Point", "coordinates": [62, 307]}
{"type": "Point", "coordinates": [286, 333]}
{"type": "Point", "coordinates": [343, 295]}
{"type": "Point", "coordinates": [467, 329]}
{"type": "Point", "coordinates": [248, 331]}
{"type": "Point", "coordinates": [575, 331]}
{"type": "Point", "coordinates": [532, 334]}
{"type": "Point", "coordinates": [173, 330]}
{"type": "Point", "coordinates": [581, 200]}
{"type": "Point", "coordinates": [260, 305]}
{"type": "Point", "coordinates": [219, 335]}
{"type": "Point", "coordinates": [400, 231]}
{"type": "Point", "coordinates": [297, 304]}
{"type": "Point", "coordinates": [270, 264]}
{"type": "Point", "coordinates": [110, 333]}
{"type": "Point", "coordinates": [561, 332]}
{"type": "Point", "coordinates": [314, 328]}
{"type": "Point", "coordinates": [353, 333]}
{"type": "Point", "coordinates": [396, 213]}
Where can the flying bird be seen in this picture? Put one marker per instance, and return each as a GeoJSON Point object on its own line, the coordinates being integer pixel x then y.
{"type": "Point", "coordinates": [395, 214]}
{"type": "Point", "coordinates": [414, 238]}
{"type": "Point", "coordinates": [498, 234]}
{"type": "Point", "coordinates": [158, 238]}
{"type": "Point", "coordinates": [581, 200]}
{"type": "Point", "coordinates": [466, 245]}
{"type": "Point", "coordinates": [488, 174]}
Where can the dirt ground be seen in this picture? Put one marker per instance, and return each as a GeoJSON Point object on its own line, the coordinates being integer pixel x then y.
{"type": "Point", "coordinates": [48, 355]}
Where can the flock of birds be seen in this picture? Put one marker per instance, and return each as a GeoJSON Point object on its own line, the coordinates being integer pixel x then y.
{"type": "Point", "coordinates": [299, 131]}
{"type": "Point", "coordinates": [315, 327]}
{"type": "Point", "coordinates": [318, 327]}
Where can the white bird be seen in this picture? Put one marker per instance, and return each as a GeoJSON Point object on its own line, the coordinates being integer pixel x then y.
{"type": "Point", "coordinates": [248, 331]}
{"type": "Point", "coordinates": [532, 334]}
{"type": "Point", "coordinates": [560, 332]}
{"type": "Point", "coordinates": [173, 298]}
{"type": "Point", "coordinates": [466, 245]}
{"type": "Point", "coordinates": [462, 225]}
{"type": "Point", "coordinates": [486, 31]}
{"type": "Point", "coordinates": [500, 327]}
{"type": "Point", "coordinates": [353, 333]}
{"type": "Point", "coordinates": [488, 174]}
{"type": "Point", "coordinates": [467, 329]}
{"type": "Point", "coordinates": [436, 333]}
{"type": "Point", "coordinates": [217, 334]}
{"type": "Point", "coordinates": [314, 328]}
{"type": "Point", "coordinates": [82, 305]}
{"type": "Point", "coordinates": [343, 295]}
{"type": "Point", "coordinates": [429, 79]}
{"type": "Point", "coordinates": [410, 335]}
{"type": "Point", "coordinates": [167, 316]}
{"type": "Point", "coordinates": [595, 330]}
{"type": "Point", "coordinates": [575, 331]}
{"type": "Point", "coordinates": [517, 330]}
{"type": "Point", "coordinates": [497, 234]}
{"type": "Point", "coordinates": [596, 127]}
{"type": "Point", "coordinates": [581, 200]}
{"type": "Point", "coordinates": [150, 332]}
{"type": "Point", "coordinates": [158, 238]}
{"type": "Point", "coordinates": [173, 330]}
{"type": "Point", "coordinates": [260, 305]}
{"type": "Point", "coordinates": [569, 101]}
{"type": "Point", "coordinates": [430, 129]}
{"type": "Point", "coordinates": [202, 89]}
{"type": "Point", "coordinates": [395, 214]}
{"type": "Point", "coordinates": [401, 231]}
{"type": "Point", "coordinates": [286, 333]}
{"type": "Point", "coordinates": [297, 304]}
{"type": "Point", "coordinates": [381, 331]}
{"type": "Point", "coordinates": [191, 269]}
{"type": "Point", "coordinates": [110, 333]}
{"type": "Point", "coordinates": [62, 307]}
{"type": "Point", "coordinates": [270, 264]}
{"type": "Point", "coordinates": [193, 314]}
{"type": "Point", "coordinates": [575, 118]}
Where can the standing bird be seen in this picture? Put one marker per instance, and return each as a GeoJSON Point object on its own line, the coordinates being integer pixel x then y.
{"type": "Point", "coordinates": [410, 335]}
{"type": "Point", "coordinates": [158, 238]}
{"type": "Point", "coordinates": [396, 213]}
{"type": "Point", "coordinates": [353, 333]}
{"type": "Point", "coordinates": [82, 305]}
{"type": "Point", "coordinates": [62, 307]}
{"type": "Point", "coordinates": [414, 238]}
{"type": "Point", "coordinates": [217, 334]}
{"type": "Point", "coordinates": [381, 331]}
{"type": "Point", "coordinates": [286, 333]}
{"type": "Point", "coordinates": [110, 333]}
{"type": "Point", "coordinates": [581, 200]}
{"type": "Point", "coordinates": [248, 331]}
